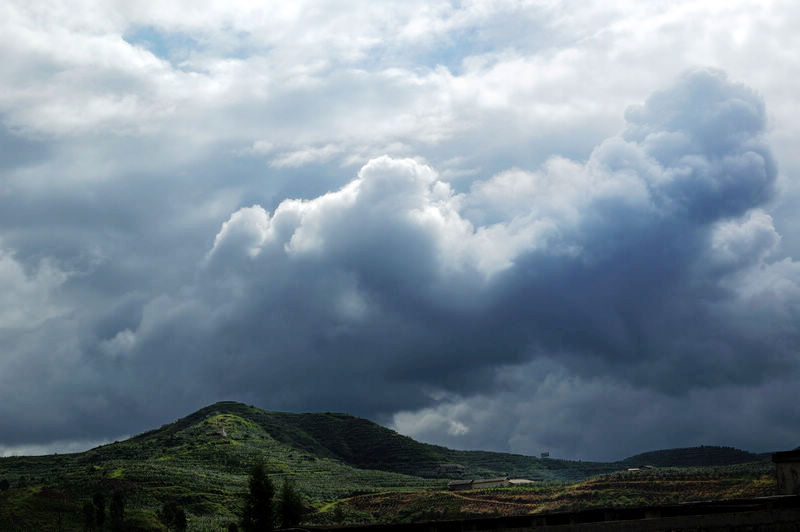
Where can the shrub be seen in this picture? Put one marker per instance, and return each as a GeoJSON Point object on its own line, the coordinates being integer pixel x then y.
{"type": "Point", "coordinates": [173, 516]}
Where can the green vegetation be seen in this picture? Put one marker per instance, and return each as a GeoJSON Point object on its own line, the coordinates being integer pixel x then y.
{"type": "Point", "coordinates": [331, 464]}
{"type": "Point", "coordinates": [117, 510]}
{"type": "Point", "coordinates": [626, 488]}
{"type": "Point", "coordinates": [257, 515]}
{"type": "Point", "coordinates": [99, 504]}
{"type": "Point", "coordinates": [200, 462]}
{"type": "Point", "coordinates": [290, 508]}
{"type": "Point", "coordinates": [172, 516]}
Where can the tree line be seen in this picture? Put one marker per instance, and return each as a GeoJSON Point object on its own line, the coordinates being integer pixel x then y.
{"type": "Point", "coordinates": [261, 512]}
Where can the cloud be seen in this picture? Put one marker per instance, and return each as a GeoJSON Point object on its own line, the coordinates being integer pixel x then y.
{"type": "Point", "coordinates": [306, 156]}
{"type": "Point", "coordinates": [507, 210]}
{"type": "Point", "coordinates": [69, 446]}
{"type": "Point", "coordinates": [27, 299]}
{"type": "Point", "coordinates": [542, 407]}
{"type": "Point", "coordinates": [635, 272]}
{"type": "Point", "coordinates": [619, 265]}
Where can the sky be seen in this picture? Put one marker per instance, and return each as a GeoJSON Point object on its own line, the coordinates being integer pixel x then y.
{"type": "Point", "coordinates": [523, 226]}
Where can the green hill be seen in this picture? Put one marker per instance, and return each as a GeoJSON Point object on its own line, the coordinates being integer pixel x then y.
{"type": "Point", "coordinates": [202, 461]}
{"type": "Point", "coordinates": [702, 456]}
{"type": "Point", "coordinates": [360, 443]}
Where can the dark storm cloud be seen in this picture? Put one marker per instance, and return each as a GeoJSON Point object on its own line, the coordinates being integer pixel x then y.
{"type": "Point", "coordinates": [543, 407]}
{"type": "Point", "coordinates": [645, 270]}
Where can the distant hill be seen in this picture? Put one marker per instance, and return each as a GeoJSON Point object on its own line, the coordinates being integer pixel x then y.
{"type": "Point", "coordinates": [704, 455]}
{"type": "Point", "coordinates": [202, 461]}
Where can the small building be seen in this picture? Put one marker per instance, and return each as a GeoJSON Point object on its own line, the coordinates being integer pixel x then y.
{"type": "Point", "coordinates": [458, 485]}
{"type": "Point", "coordinates": [521, 481]}
{"type": "Point", "coordinates": [545, 454]}
{"type": "Point", "coordinates": [449, 468]}
{"type": "Point", "coordinates": [477, 484]}
{"type": "Point", "coordinates": [787, 471]}
{"type": "Point", "coordinates": [490, 483]}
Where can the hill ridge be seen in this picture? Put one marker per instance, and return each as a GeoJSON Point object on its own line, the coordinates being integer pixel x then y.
{"type": "Point", "coordinates": [702, 455]}
{"type": "Point", "coordinates": [363, 443]}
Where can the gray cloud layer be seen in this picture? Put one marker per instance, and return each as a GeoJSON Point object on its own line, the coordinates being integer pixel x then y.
{"type": "Point", "coordinates": [473, 254]}
{"type": "Point", "coordinates": [642, 274]}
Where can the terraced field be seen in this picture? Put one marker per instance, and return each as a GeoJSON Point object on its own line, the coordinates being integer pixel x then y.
{"type": "Point", "coordinates": [640, 488]}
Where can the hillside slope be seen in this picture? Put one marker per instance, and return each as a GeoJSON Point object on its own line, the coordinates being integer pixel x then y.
{"type": "Point", "coordinates": [202, 461]}
{"type": "Point", "coordinates": [363, 444]}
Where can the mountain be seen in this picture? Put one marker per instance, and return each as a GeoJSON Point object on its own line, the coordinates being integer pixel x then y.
{"type": "Point", "coordinates": [202, 461]}
{"type": "Point", "coordinates": [692, 457]}
{"type": "Point", "coordinates": [360, 443]}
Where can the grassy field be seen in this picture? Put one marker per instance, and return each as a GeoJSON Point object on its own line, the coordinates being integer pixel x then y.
{"type": "Point", "coordinates": [348, 470]}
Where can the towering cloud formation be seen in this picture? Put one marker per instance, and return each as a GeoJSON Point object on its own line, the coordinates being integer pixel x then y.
{"type": "Point", "coordinates": [642, 263]}
{"type": "Point", "coordinates": [640, 276]}
{"type": "Point", "coordinates": [614, 259]}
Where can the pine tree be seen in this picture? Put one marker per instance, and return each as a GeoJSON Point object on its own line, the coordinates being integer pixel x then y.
{"type": "Point", "coordinates": [99, 501]}
{"type": "Point", "coordinates": [291, 507]}
{"type": "Point", "coordinates": [88, 516]}
{"type": "Point", "coordinates": [117, 510]}
{"type": "Point", "coordinates": [257, 515]}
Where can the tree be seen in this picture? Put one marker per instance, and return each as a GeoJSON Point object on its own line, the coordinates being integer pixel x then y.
{"type": "Point", "coordinates": [88, 516]}
{"type": "Point", "coordinates": [257, 515]}
{"type": "Point", "coordinates": [117, 510]}
{"type": "Point", "coordinates": [291, 507]}
{"type": "Point", "coordinates": [173, 516]}
{"type": "Point", "coordinates": [4, 484]}
{"type": "Point", "coordinates": [99, 501]}
{"type": "Point", "coordinates": [338, 514]}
